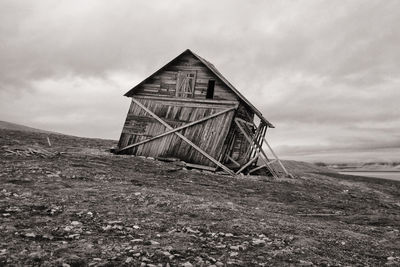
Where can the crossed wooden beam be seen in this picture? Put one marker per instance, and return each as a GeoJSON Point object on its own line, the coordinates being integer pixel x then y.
{"type": "Point", "coordinates": [260, 153]}
{"type": "Point", "coordinates": [172, 130]}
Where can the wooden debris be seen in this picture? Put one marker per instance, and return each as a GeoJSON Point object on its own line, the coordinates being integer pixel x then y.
{"type": "Point", "coordinates": [28, 151]}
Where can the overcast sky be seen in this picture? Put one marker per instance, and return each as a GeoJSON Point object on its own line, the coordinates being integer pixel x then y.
{"type": "Point", "coordinates": [325, 73]}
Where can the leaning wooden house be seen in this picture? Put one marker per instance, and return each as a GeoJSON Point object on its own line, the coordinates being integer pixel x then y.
{"type": "Point", "coordinates": [189, 111]}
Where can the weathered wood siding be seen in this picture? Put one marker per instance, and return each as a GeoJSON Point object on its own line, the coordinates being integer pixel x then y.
{"type": "Point", "coordinates": [209, 135]}
{"type": "Point", "coordinates": [236, 144]}
{"type": "Point", "coordinates": [163, 83]}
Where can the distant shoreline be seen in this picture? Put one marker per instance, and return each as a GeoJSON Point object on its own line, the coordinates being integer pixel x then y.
{"type": "Point", "coordinates": [352, 170]}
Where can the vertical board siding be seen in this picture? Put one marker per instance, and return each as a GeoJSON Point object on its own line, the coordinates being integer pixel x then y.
{"type": "Point", "coordinates": [163, 83]}
{"type": "Point", "coordinates": [236, 146]}
{"type": "Point", "coordinates": [208, 135]}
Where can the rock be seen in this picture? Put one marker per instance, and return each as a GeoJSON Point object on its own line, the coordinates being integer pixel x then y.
{"type": "Point", "coordinates": [219, 264]}
{"type": "Point", "coordinates": [33, 235]}
{"type": "Point", "coordinates": [305, 263]}
{"type": "Point", "coordinates": [75, 223]}
{"type": "Point", "coordinates": [258, 242]}
{"type": "Point", "coordinates": [128, 260]}
{"type": "Point", "coordinates": [74, 236]}
{"type": "Point", "coordinates": [166, 253]}
{"type": "Point", "coordinates": [152, 242]}
{"type": "Point", "coordinates": [107, 228]}
{"type": "Point", "coordinates": [65, 265]}
{"type": "Point", "coordinates": [234, 247]}
{"type": "Point", "coordinates": [144, 259]}
{"type": "Point", "coordinates": [234, 254]}
{"type": "Point", "coordinates": [36, 256]}
{"type": "Point", "coordinates": [68, 228]}
{"type": "Point", "coordinates": [187, 264]}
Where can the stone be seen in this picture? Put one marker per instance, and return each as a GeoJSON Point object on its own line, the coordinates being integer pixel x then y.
{"type": "Point", "coordinates": [258, 242]}
{"type": "Point", "coordinates": [30, 235]}
{"type": "Point", "coordinates": [153, 243]}
{"type": "Point", "coordinates": [187, 264]}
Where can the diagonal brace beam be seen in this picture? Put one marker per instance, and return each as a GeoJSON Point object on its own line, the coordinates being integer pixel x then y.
{"type": "Point", "coordinates": [177, 129]}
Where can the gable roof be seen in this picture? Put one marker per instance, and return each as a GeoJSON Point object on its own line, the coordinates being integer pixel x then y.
{"type": "Point", "coordinates": [214, 70]}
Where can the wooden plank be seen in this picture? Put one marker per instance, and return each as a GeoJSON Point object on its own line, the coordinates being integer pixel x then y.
{"type": "Point", "coordinates": [178, 129]}
{"type": "Point", "coordinates": [247, 164]}
{"type": "Point", "coordinates": [234, 161]}
{"type": "Point", "coordinates": [197, 166]}
{"type": "Point", "coordinates": [184, 138]}
{"type": "Point", "coordinates": [259, 153]}
{"type": "Point", "coordinates": [257, 168]}
{"type": "Point", "coordinates": [190, 100]}
{"type": "Point", "coordinates": [276, 157]}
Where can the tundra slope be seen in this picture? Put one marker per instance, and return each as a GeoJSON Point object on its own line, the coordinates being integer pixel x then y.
{"type": "Point", "coordinates": [74, 203]}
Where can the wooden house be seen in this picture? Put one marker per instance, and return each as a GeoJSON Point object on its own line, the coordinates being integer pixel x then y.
{"type": "Point", "coordinates": [189, 111]}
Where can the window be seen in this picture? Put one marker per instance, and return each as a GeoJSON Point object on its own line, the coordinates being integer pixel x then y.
{"type": "Point", "coordinates": [210, 89]}
{"type": "Point", "coordinates": [185, 83]}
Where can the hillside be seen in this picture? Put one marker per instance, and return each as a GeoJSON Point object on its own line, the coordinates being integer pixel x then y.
{"type": "Point", "coordinates": [18, 127]}
{"type": "Point", "coordinates": [75, 203]}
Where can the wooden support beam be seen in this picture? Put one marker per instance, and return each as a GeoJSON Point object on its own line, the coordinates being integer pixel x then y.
{"type": "Point", "coordinates": [246, 165]}
{"type": "Point", "coordinates": [276, 157]}
{"type": "Point", "coordinates": [249, 152]}
{"type": "Point", "coordinates": [205, 154]}
{"type": "Point", "coordinates": [177, 129]}
{"type": "Point", "coordinates": [202, 167]}
{"type": "Point", "coordinates": [257, 168]}
{"type": "Point", "coordinates": [234, 161]}
{"type": "Point", "coordinates": [259, 153]}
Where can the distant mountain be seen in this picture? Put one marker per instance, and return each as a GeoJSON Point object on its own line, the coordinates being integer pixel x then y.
{"type": "Point", "coordinates": [366, 166]}
{"type": "Point", "coordinates": [18, 127]}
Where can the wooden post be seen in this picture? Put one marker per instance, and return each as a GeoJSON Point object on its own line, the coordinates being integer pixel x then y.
{"type": "Point", "coordinates": [246, 165]}
{"type": "Point", "coordinates": [48, 141]}
{"type": "Point", "coordinates": [276, 157]}
{"type": "Point", "coordinates": [259, 153]}
{"type": "Point", "coordinates": [205, 154]}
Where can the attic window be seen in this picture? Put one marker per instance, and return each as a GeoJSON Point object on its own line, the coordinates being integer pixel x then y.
{"type": "Point", "coordinates": [185, 83]}
{"type": "Point", "coordinates": [210, 89]}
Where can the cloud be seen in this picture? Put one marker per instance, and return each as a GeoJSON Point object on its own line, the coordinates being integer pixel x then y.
{"type": "Point", "coordinates": [324, 72]}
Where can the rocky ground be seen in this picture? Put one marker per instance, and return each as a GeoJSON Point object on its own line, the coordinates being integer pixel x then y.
{"type": "Point", "coordinates": [75, 204]}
